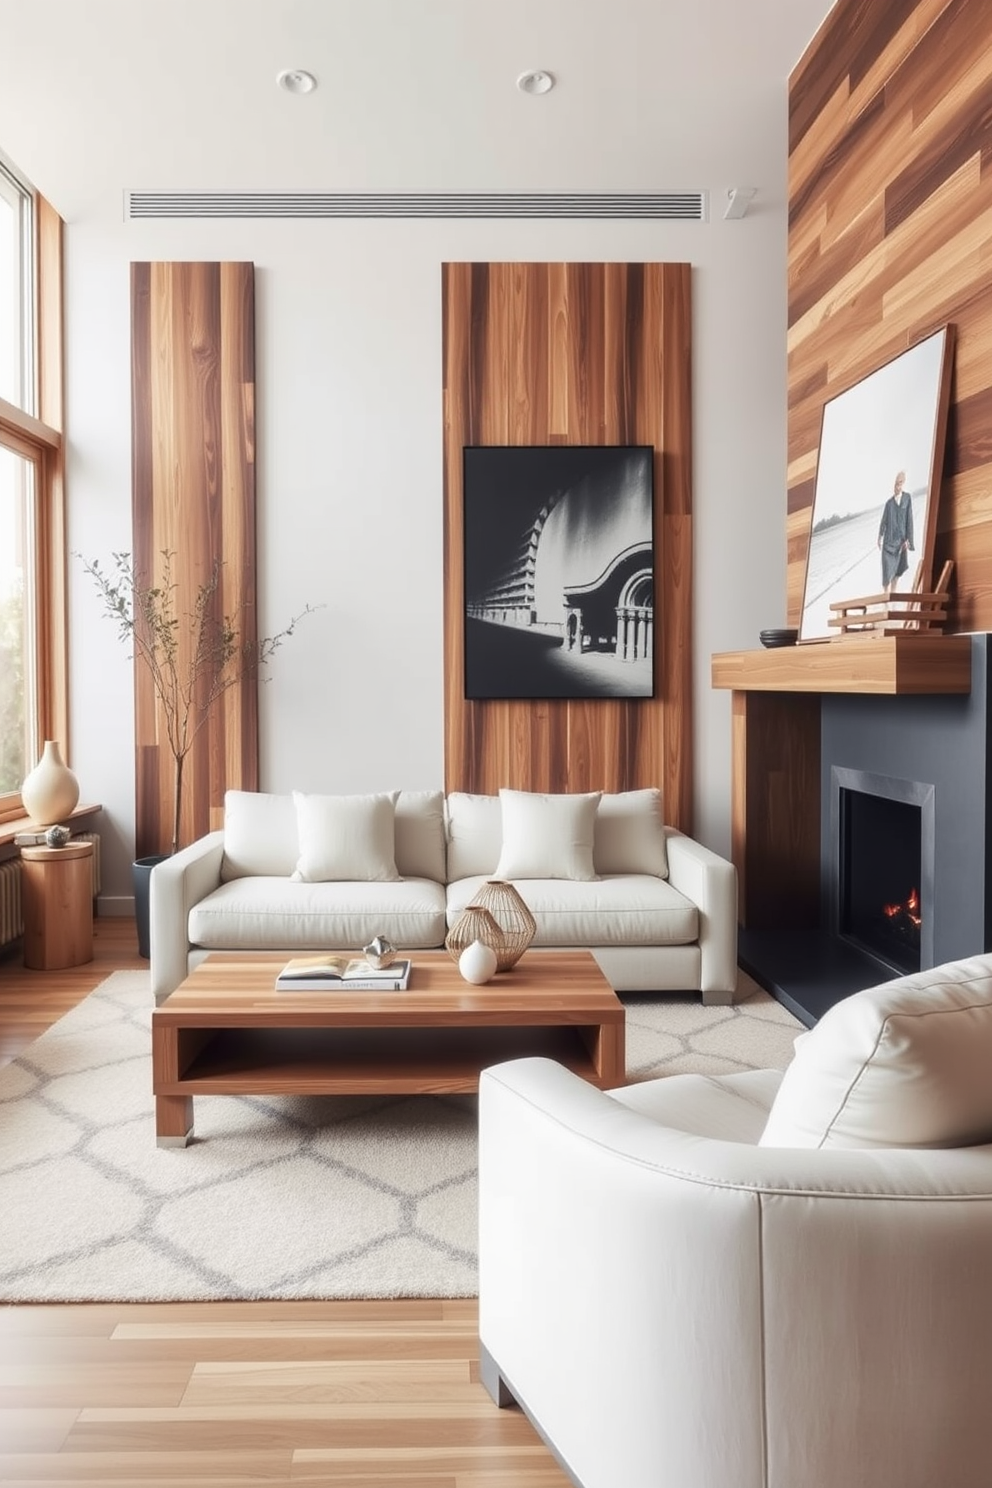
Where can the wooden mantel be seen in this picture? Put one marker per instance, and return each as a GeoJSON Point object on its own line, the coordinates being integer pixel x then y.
{"type": "Point", "coordinates": [890, 664]}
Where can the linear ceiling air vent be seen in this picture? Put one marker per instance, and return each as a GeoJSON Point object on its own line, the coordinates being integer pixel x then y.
{"type": "Point", "coordinates": [677, 206]}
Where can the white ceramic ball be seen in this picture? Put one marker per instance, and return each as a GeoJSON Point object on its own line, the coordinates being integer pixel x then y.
{"type": "Point", "coordinates": [477, 962]}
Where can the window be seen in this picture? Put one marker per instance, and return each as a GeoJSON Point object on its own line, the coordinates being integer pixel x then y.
{"type": "Point", "coordinates": [16, 292]}
{"type": "Point", "coordinates": [33, 694]}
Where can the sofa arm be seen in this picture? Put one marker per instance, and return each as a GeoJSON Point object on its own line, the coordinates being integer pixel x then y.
{"type": "Point", "coordinates": [176, 885]}
{"type": "Point", "coordinates": [711, 883]}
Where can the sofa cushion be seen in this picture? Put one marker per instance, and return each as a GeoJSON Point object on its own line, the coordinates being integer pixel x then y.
{"type": "Point", "coordinates": [474, 834]}
{"type": "Point", "coordinates": [547, 836]}
{"type": "Point", "coordinates": [904, 1064]}
{"type": "Point", "coordinates": [419, 839]}
{"type": "Point", "coordinates": [630, 833]}
{"type": "Point", "coordinates": [276, 914]}
{"type": "Point", "coordinates": [627, 910]}
{"type": "Point", "coordinates": [346, 838]}
{"type": "Point", "coordinates": [260, 834]}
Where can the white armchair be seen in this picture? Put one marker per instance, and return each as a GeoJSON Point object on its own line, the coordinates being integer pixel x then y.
{"type": "Point", "coordinates": [684, 1286]}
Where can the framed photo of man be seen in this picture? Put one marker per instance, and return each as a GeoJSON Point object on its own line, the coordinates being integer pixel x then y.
{"type": "Point", "coordinates": [878, 476]}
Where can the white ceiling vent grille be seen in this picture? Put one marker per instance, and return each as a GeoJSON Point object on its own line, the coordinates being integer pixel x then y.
{"type": "Point", "coordinates": [677, 206]}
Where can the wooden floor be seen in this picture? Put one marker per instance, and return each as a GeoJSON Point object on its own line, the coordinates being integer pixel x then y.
{"type": "Point", "coordinates": [221, 1395]}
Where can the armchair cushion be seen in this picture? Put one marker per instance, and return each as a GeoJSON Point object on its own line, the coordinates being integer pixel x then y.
{"type": "Point", "coordinates": [904, 1064]}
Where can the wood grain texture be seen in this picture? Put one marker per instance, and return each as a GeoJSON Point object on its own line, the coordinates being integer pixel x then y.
{"type": "Point", "coordinates": [891, 664]}
{"type": "Point", "coordinates": [574, 354]}
{"type": "Point", "coordinates": [193, 494]}
{"type": "Point", "coordinates": [776, 808]}
{"type": "Point", "coordinates": [890, 196]}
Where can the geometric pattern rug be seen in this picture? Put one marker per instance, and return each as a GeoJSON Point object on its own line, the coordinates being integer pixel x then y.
{"type": "Point", "coordinates": [276, 1197]}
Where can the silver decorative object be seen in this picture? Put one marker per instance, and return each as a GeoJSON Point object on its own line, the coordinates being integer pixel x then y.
{"type": "Point", "coordinates": [379, 953]}
{"type": "Point", "coordinates": [57, 836]}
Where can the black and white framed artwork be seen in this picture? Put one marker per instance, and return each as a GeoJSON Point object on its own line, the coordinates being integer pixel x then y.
{"type": "Point", "coordinates": [559, 571]}
{"type": "Point", "coordinates": [878, 474]}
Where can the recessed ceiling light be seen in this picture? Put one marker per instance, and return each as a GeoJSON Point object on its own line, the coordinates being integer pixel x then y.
{"type": "Point", "coordinates": [295, 80]}
{"type": "Point", "coordinates": [535, 82]}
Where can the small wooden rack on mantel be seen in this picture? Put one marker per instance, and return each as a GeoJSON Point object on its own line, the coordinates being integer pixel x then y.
{"type": "Point", "coordinates": [912, 661]}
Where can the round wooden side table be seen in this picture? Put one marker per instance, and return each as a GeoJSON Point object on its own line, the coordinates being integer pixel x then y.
{"type": "Point", "coordinates": [57, 901]}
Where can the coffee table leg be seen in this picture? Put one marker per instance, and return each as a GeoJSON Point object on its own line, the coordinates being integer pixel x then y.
{"type": "Point", "coordinates": [173, 1120]}
{"type": "Point", "coordinates": [609, 1055]}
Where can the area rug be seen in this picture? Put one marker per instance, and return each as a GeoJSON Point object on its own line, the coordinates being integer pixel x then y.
{"type": "Point", "coordinates": [276, 1197]}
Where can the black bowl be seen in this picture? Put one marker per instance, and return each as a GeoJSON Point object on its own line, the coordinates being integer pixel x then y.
{"type": "Point", "coordinates": [783, 637]}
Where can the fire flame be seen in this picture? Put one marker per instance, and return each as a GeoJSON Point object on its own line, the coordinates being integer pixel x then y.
{"type": "Point", "coordinates": [911, 909]}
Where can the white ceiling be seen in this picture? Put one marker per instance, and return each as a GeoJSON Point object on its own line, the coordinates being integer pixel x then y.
{"type": "Point", "coordinates": [102, 96]}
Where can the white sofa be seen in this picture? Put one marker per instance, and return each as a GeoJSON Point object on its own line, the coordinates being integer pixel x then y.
{"type": "Point", "coordinates": [754, 1280]}
{"type": "Point", "coordinates": [659, 911]}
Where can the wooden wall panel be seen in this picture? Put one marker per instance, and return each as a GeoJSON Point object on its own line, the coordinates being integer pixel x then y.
{"type": "Point", "coordinates": [890, 237]}
{"type": "Point", "coordinates": [193, 494]}
{"type": "Point", "coordinates": [574, 354]}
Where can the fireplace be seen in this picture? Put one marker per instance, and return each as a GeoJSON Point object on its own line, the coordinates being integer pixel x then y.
{"type": "Point", "coordinates": [910, 774]}
{"type": "Point", "coordinates": [882, 866]}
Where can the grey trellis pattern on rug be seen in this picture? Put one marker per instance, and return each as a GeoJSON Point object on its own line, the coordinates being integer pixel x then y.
{"type": "Point", "coordinates": [276, 1197]}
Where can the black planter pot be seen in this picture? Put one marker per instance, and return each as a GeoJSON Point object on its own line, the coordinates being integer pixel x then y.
{"type": "Point", "coordinates": [141, 877]}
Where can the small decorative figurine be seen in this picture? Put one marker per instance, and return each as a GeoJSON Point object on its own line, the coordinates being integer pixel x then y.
{"type": "Point", "coordinates": [379, 953]}
{"type": "Point", "coordinates": [57, 836]}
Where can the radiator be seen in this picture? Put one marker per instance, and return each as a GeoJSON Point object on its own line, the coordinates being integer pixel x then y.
{"type": "Point", "coordinates": [11, 917]}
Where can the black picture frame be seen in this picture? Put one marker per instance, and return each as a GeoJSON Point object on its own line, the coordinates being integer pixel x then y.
{"type": "Point", "coordinates": [890, 423]}
{"type": "Point", "coordinates": [559, 571]}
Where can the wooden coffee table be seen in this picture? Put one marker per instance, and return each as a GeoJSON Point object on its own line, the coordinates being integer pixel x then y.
{"type": "Point", "coordinates": [226, 1031]}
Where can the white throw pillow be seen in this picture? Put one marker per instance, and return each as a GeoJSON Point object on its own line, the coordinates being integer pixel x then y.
{"type": "Point", "coordinates": [260, 837]}
{"type": "Point", "coordinates": [346, 838]}
{"type": "Point", "coordinates": [630, 834]}
{"type": "Point", "coordinates": [547, 836]}
{"type": "Point", "coordinates": [905, 1064]}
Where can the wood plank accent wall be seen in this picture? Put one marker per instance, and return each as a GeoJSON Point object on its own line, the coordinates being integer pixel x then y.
{"type": "Point", "coordinates": [890, 237]}
{"type": "Point", "coordinates": [193, 494]}
{"type": "Point", "coordinates": [554, 353]}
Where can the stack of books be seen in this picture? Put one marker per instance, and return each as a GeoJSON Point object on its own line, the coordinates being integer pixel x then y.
{"type": "Point", "coordinates": [330, 973]}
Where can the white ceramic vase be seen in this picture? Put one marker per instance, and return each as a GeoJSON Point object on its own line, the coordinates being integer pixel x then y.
{"type": "Point", "coordinates": [50, 791]}
{"type": "Point", "coordinates": [477, 962]}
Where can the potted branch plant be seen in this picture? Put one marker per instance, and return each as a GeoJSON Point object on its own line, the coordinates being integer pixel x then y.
{"type": "Point", "coordinates": [193, 656]}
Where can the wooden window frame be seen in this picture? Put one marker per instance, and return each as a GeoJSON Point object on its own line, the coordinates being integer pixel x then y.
{"type": "Point", "coordinates": [40, 441]}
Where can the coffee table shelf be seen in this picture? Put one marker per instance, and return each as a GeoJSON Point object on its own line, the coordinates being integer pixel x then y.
{"type": "Point", "coordinates": [226, 1031]}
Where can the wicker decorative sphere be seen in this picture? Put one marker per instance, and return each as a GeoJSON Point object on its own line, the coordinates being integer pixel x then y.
{"type": "Point", "coordinates": [517, 926]}
{"type": "Point", "coordinates": [474, 923]}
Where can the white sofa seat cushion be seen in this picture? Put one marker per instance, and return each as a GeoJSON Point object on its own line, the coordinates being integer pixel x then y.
{"type": "Point", "coordinates": [904, 1064]}
{"type": "Point", "coordinates": [274, 913]}
{"type": "Point", "coordinates": [729, 1108]}
{"type": "Point", "coordinates": [628, 910]}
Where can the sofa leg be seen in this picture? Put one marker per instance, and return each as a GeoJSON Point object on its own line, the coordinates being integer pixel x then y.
{"type": "Point", "coordinates": [719, 999]}
{"type": "Point", "coordinates": [492, 1379]}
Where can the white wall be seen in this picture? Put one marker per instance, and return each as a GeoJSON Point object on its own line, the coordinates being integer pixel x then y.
{"type": "Point", "coordinates": [348, 368]}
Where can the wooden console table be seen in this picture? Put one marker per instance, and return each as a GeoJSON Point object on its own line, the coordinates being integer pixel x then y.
{"type": "Point", "coordinates": [775, 742]}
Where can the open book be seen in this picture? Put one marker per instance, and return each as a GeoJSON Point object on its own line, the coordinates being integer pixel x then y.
{"type": "Point", "coordinates": [312, 973]}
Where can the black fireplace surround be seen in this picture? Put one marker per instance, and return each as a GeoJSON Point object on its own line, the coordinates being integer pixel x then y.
{"type": "Point", "coordinates": [931, 752]}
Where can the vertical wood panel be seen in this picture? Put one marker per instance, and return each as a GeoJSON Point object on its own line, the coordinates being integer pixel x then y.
{"type": "Point", "coordinates": [193, 494]}
{"type": "Point", "coordinates": [890, 226]}
{"type": "Point", "coordinates": [574, 354]}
